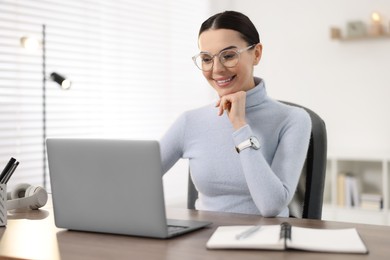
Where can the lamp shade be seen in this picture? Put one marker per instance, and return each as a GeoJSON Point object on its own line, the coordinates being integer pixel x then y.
{"type": "Point", "coordinates": [30, 43]}
{"type": "Point", "coordinates": [61, 80]}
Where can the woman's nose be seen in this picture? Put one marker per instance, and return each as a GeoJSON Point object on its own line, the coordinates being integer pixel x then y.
{"type": "Point", "coordinates": [218, 66]}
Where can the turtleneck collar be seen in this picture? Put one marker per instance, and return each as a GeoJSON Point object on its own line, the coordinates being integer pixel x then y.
{"type": "Point", "coordinates": [256, 95]}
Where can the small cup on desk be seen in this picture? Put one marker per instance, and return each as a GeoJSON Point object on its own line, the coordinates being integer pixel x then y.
{"type": "Point", "coordinates": [3, 205]}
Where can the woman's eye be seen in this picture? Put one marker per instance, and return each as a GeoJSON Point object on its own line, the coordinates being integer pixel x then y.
{"type": "Point", "coordinates": [229, 56]}
{"type": "Point", "coordinates": [207, 59]}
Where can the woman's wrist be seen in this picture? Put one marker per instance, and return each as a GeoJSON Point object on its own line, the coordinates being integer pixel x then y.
{"type": "Point", "coordinates": [238, 124]}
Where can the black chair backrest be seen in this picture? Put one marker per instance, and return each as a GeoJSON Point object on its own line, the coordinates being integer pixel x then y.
{"type": "Point", "coordinates": [308, 198]}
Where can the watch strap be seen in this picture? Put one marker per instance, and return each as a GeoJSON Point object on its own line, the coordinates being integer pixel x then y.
{"type": "Point", "coordinates": [245, 144]}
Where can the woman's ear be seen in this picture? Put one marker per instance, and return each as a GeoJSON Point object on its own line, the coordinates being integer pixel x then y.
{"type": "Point", "coordinates": [258, 51]}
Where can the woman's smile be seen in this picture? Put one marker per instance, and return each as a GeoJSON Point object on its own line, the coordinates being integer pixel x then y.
{"type": "Point", "coordinates": [224, 82]}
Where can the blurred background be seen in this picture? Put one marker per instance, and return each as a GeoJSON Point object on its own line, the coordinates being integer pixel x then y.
{"type": "Point", "coordinates": [132, 75]}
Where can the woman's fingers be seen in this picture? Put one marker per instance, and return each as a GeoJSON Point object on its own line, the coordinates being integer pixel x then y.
{"type": "Point", "coordinates": [223, 104]}
{"type": "Point", "coordinates": [234, 105]}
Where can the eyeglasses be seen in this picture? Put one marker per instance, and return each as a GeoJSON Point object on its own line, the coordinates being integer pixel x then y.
{"type": "Point", "coordinates": [228, 58]}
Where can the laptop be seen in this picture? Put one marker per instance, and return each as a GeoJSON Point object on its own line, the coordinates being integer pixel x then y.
{"type": "Point", "coordinates": [111, 186]}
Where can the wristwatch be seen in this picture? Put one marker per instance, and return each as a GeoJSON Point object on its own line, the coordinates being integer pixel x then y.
{"type": "Point", "coordinates": [252, 142]}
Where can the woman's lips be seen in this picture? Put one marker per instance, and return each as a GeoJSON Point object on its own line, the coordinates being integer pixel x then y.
{"type": "Point", "coordinates": [224, 82]}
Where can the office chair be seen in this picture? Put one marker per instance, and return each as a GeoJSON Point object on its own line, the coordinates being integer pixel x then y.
{"type": "Point", "coordinates": [308, 198]}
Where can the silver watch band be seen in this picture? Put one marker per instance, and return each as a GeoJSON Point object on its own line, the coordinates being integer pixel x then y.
{"type": "Point", "coordinates": [251, 142]}
{"type": "Point", "coordinates": [246, 144]}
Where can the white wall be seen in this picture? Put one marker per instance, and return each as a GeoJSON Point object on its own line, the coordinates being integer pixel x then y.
{"type": "Point", "coordinates": [346, 83]}
{"type": "Point", "coordinates": [194, 93]}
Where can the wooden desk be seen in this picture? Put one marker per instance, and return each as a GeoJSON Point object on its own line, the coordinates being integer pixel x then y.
{"type": "Point", "coordinates": [33, 235]}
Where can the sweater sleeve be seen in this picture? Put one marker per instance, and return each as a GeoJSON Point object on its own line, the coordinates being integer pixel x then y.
{"type": "Point", "coordinates": [172, 143]}
{"type": "Point", "coordinates": [272, 186]}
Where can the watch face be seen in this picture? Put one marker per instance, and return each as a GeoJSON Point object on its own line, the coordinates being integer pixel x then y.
{"type": "Point", "coordinates": [255, 142]}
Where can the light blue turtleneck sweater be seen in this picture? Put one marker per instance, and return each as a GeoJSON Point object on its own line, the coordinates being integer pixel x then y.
{"type": "Point", "coordinates": [253, 181]}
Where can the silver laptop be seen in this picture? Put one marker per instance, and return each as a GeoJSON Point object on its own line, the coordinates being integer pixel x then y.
{"type": "Point", "coordinates": [111, 186]}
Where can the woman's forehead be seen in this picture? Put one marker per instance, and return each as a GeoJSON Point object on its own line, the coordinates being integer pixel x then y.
{"type": "Point", "coordinates": [215, 40]}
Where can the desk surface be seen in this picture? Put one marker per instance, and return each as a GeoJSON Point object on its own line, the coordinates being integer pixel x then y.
{"type": "Point", "coordinates": [33, 235]}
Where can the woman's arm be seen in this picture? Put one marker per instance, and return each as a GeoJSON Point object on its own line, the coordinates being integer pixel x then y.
{"type": "Point", "coordinates": [272, 186]}
{"type": "Point", "coordinates": [171, 144]}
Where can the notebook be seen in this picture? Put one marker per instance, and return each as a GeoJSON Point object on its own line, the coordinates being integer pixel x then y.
{"type": "Point", "coordinates": [285, 237]}
{"type": "Point", "coordinates": [111, 186]}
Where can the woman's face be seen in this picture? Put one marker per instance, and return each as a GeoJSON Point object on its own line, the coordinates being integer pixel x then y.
{"type": "Point", "coordinates": [229, 80]}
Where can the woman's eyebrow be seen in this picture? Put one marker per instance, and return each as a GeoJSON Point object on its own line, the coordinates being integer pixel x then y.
{"type": "Point", "coordinates": [227, 48]}
{"type": "Point", "coordinates": [224, 49]}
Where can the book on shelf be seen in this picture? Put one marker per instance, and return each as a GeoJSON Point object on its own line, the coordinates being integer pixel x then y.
{"type": "Point", "coordinates": [371, 201]}
{"type": "Point", "coordinates": [347, 190]}
{"type": "Point", "coordinates": [341, 190]}
{"type": "Point", "coordinates": [352, 191]}
{"type": "Point", "coordinates": [285, 237]}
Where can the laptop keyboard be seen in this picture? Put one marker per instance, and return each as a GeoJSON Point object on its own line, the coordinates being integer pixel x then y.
{"type": "Point", "coordinates": [175, 229]}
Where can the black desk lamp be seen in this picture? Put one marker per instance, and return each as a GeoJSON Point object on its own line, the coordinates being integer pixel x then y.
{"type": "Point", "coordinates": [33, 43]}
{"type": "Point", "coordinates": [61, 80]}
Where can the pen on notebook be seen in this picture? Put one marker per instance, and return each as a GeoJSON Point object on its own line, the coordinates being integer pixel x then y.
{"type": "Point", "coordinates": [6, 169]}
{"type": "Point", "coordinates": [10, 172]}
{"type": "Point", "coordinates": [248, 232]}
{"type": "Point", "coordinates": [285, 231]}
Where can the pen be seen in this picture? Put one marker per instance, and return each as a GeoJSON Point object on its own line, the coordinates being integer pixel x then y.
{"type": "Point", "coordinates": [248, 232]}
{"type": "Point", "coordinates": [6, 169]}
{"type": "Point", "coordinates": [285, 232]}
{"type": "Point", "coordinates": [10, 172]}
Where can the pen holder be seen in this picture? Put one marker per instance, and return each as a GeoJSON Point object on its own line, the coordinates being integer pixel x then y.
{"type": "Point", "coordinates": [3, 205]}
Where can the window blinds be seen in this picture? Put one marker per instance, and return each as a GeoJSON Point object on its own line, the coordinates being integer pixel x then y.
{"type": "Point", "coordinates": [129, 62]}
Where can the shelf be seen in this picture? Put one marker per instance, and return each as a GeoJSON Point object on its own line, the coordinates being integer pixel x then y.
{"type": "Point", "coordinates": [355, 215]}
{"type": "Point", "coordinates": [335, 34]}
{"type": "Point", "coordinates": [366, 37]}
{"type": "Point", "coordinates": [353, 210]}
{"type": "Point", "coordinates": [358, 156]}
{"type": "Point", "coordinates": [356, 174]}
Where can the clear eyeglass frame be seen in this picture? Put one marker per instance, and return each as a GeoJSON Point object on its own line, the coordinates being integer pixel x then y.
{"type": "Point", "coordinates": [225, 58]}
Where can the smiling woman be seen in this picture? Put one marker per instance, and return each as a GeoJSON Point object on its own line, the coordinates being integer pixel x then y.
{"type": "Point", "coordinates": [246, 152]}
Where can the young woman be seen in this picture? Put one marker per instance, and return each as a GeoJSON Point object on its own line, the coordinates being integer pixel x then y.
{"type": "Point", "coordinates": [245, 152]}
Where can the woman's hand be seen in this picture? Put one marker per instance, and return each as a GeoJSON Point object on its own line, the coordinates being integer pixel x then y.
{"type": "Point", "coordinates": [234, 105]}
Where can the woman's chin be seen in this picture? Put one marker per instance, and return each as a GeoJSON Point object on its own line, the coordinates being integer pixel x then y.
{"type": "Point", "coordinates": [224, 91]}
